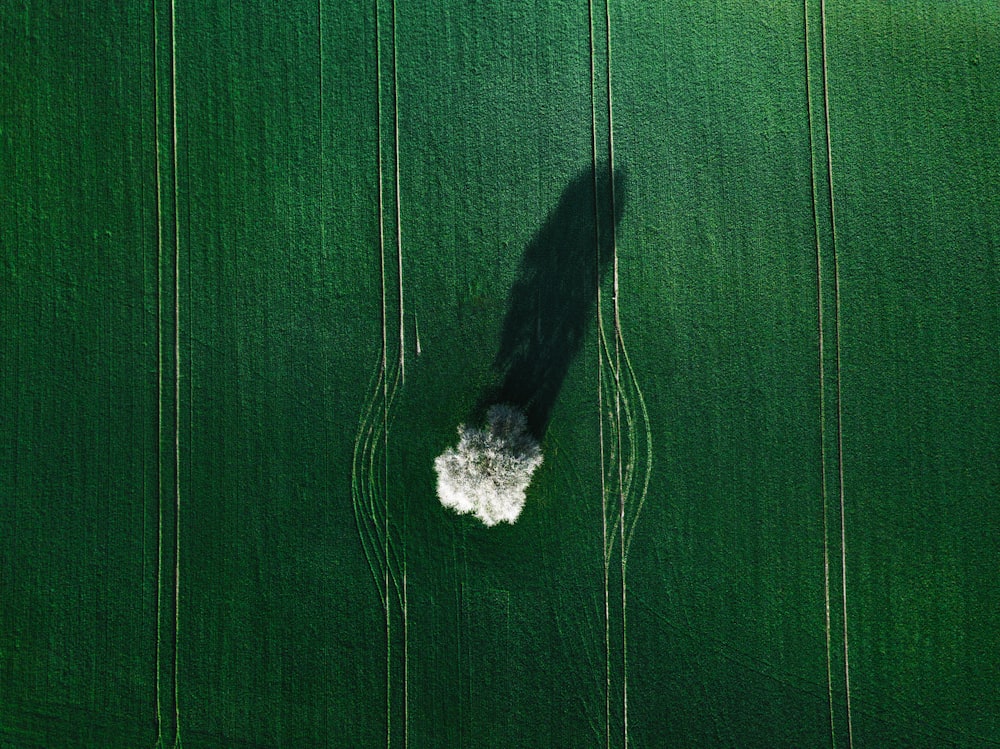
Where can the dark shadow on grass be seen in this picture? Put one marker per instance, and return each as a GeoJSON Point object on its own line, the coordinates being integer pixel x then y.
{"type": "Point", "coordinates": [552, 303]}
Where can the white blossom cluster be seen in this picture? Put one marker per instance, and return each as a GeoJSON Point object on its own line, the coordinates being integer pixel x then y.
{"type": "Point", "coordinates": [489, 471]}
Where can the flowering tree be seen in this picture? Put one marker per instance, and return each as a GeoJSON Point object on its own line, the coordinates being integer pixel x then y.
{"type": "Point", "coordinates": [490, 469]}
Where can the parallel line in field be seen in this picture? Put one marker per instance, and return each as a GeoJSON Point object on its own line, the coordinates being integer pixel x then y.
{"type": "Point", "coordinates": [322, 131]}
{"type": "Point", "coordinates": [618, 373]}
{"type": "Point", "coordinates": [177, 371]}
{"type": "Point", "coordinates": [159, 379]}
{"type": "Point", "coordinates": [600, 383]}
{"type": "Point", "coordinates": [822, 374]}
{"type": "Point", "coordinates": [384, 380]}
{"type": "Point", "coordinates": [398, 555]}
{"type": "Point", "coordinates": [840, 423]}
{"type": "Point", "coordinates": [399, 223]}
{"type": "Point", "coordinates": [168, 407]}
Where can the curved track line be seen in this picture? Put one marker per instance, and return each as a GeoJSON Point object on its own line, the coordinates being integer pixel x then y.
{"type": "Point", "coordinates": [382, 536]}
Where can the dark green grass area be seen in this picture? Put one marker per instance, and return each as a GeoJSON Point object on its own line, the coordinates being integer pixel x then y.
{"type": "Point", "coordinates": [921, 369]}
{"type": "Point", "coordinates": [78, 283]}
{"type": "Point", "coordinates": [201, 270]}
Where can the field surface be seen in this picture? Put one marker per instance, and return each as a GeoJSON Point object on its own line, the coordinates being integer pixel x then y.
{"type": "Point", "coordinates": [738, 262]}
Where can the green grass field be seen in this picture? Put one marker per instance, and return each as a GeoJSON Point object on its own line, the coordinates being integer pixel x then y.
{"type": "Point", "coordinates": [738, 261]}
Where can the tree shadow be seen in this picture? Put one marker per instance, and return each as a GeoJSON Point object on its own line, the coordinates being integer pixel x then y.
{"type": "Point", "coordinates": [552, 302]}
